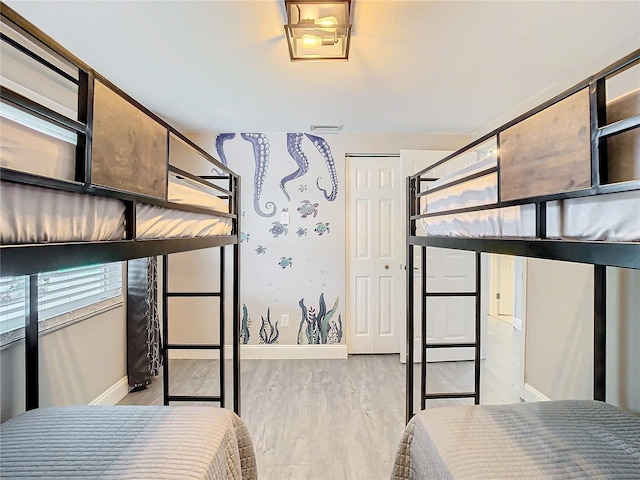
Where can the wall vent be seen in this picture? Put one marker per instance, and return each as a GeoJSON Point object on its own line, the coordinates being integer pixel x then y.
{"type": "Point", "coordinates": [326, 128]}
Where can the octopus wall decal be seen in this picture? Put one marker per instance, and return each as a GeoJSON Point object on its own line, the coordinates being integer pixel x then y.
{"type": "Point", "coordinates": [324, 149]}
{"type": "Point", "coordinates": [220, 139]}
{"type": "Point", "coordinates": [261, 152]}
{"type": "Point", "coordinates": [260, 144]}
{"type": "Point", "coordinates": [294, 146]}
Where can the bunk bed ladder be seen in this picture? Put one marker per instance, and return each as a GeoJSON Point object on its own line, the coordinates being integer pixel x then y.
{"type": "Point", "coordinates": [476, 294]}
{"type": "Point", "coordinates": [167, 346]}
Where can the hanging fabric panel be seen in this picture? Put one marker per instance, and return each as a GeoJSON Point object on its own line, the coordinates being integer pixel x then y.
{"type": "Point", "coordinates": [143, 325]}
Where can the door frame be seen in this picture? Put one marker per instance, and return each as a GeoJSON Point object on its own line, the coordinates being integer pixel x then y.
{"type": "Point", "coordinates": [399, 323]}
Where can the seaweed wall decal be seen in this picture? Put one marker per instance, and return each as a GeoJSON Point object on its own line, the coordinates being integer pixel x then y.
{"type": "Point", "coordinates": [321, 327]}
{"type": "Point", "coordinates": [273, 334]}
{"type": "Point", "coordinates": [244, 327]}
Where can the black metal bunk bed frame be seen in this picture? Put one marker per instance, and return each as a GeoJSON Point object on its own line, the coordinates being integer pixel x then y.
{"type": "Point", "coordinates": [600, 254]}
{"type": "Point", "coordinates": [33, 258]}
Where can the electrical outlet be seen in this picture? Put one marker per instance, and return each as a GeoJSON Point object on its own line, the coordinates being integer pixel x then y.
{"type": "Point", "coordinates": [284, 320]}
{"type": "Point", "coordinates": [284, 218]}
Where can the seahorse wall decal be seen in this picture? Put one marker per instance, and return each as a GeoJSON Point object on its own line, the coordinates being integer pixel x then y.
{"type": "Point", "coordinates": [220, 139]}
{"type": "Point", "coordinates": [294, 146]}
{"type": "Point", "coordinates": [320, 327]}
{"type": "Point", "coordinates": [260, 144]}
{"type": "Point", "coordinates": [246, 323]}
{"type": "Point", "coordinates": [272, 336]}
{"type": "Point", "coordinates": [324, 149]}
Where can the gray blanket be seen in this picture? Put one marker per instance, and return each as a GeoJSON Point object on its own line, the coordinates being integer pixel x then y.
{"type": "Point", "coordinates": [126, 442]}
{"type": "Point", "coordinates": [560, 440]}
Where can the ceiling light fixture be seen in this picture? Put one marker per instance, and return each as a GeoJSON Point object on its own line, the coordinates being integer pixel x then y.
{"type": "Point", "coordinates": [318, 30]}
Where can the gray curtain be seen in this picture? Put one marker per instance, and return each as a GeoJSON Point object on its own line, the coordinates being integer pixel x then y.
{"type": "Point", "coordinates": [143, 325]}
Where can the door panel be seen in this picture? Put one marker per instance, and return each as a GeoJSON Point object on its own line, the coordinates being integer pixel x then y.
{"type": "Point", "coordinates": [362, 311]}
{"type": "Point", "coordinates": [375, 254]}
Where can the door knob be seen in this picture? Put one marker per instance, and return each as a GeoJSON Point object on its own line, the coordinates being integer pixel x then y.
{"type": "Point", "coordinates": [386, 267]}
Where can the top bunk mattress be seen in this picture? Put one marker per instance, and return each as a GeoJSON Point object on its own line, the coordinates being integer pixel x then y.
{"type": "Point", "coordinates": [127, 442]}
{"type": "Point", "coordinates": [30, 214]}
{"type": "Point", "coordinates": [569, 439]}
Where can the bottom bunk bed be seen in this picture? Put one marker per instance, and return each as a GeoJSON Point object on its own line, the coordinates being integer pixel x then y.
{"type": "Point", "coordinates": [121, 442]}
{"type": "Point", "coordinates": [565, 439]}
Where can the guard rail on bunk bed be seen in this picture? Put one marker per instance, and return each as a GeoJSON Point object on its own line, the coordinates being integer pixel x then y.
{"type": "Point", "coordinates": [560, 182]}
{"type": "Point", "coordinates": [89, 175]}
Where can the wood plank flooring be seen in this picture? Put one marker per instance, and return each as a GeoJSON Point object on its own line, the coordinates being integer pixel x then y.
{"type": "Point", "coordinates": [339, 419]}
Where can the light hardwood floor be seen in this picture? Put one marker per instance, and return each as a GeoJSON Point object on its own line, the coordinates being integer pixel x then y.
{"type": "Point", "coordinates": [339, 419]}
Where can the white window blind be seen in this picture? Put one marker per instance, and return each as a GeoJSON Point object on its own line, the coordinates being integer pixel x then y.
{"type": "Point", "coordinates": [63, 295]}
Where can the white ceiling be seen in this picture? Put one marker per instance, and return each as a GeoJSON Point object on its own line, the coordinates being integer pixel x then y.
{"type": "Point", "coordinates": [414, 66]}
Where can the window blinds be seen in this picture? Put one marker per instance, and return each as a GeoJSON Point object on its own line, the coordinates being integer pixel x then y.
{"type": "Point", "coordinates": [70, 292]}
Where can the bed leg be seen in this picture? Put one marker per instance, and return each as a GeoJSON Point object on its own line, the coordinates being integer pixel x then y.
{"type": "Point", "coordinates": [32, 380]}
{"type": "Point", "coordinates": [599, 332]}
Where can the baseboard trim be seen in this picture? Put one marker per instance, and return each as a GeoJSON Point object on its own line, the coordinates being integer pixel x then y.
{"type": "Point", "coordinates": [283, 352]}
{"type": "Point", "coordinates": [268, 352]}
{"type": "Point", "coordinates": [113, 394]}
{"type": "Point", "coordinates": [517, 323]}
{"type": "Point", "coordinates": [531, 394]}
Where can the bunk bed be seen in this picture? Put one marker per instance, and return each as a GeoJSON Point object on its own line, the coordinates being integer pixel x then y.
{"type": "Point", "coordinates": [89, 175]}
{"type": "Point", "coordinates": [561, 182]}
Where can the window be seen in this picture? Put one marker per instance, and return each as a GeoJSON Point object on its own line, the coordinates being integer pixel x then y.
{"type": "Point", "coordinates": [63, 296]}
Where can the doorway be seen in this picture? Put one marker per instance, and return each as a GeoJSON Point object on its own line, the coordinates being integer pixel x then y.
{"type": "Point", "coordinates": [375, 253]}
{"type": "Point", "coordinates": [502, 287]}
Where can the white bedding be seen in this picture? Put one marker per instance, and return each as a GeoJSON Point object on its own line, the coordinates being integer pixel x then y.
{"type": "Point", "coordinates": [31, 214]}
{"type": "Point", "coordinates": [569, 439]}
{"type": "Point", "coordinates": [127, 442]}
{"type": "Point", "coordinates": [611, 217]}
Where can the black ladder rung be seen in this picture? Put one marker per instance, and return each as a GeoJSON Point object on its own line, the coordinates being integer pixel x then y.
{"type": "Point", "coordinates": [193, 294]}
{"type": "Point", "coordinates": [436, 396]}
{"type": "Point", "coordinates": [450, 294]}
{"type": "Point", "coordinates": [194, 398]}
{"type": "Point", "coordinates": [450, 345]}
{"type": "Point", "coordinates": [194, 346]}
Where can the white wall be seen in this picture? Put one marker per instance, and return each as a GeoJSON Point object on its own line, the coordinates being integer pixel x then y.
{"type": "Point", "coordinates": [559, 332]}
{"type": "Point", "coordinates": [78, 363]}
{"type": "Point", "coordinates": [318, 262]}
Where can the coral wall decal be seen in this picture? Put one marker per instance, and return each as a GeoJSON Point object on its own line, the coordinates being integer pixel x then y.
{"type": "Point", "coordinates": [272, 335]}
{"type": "Point", "coordinates": [244, 326]}
{"type": "Point", "coordinates": [319, 326]}
{"type": "Point", "coordinates": [260, 144]}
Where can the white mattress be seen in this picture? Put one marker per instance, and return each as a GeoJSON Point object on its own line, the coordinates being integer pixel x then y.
{"type": "Point", "coordinates": [127, 442]}
{"type": "Point", "coordinates": [612, 217]}
{"type": "Point", "coordinates": [159, 222]}
{"type": "Point", "coordinates": [31, 214]}
{"type": "Point", "coordinates": [545, 440]}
